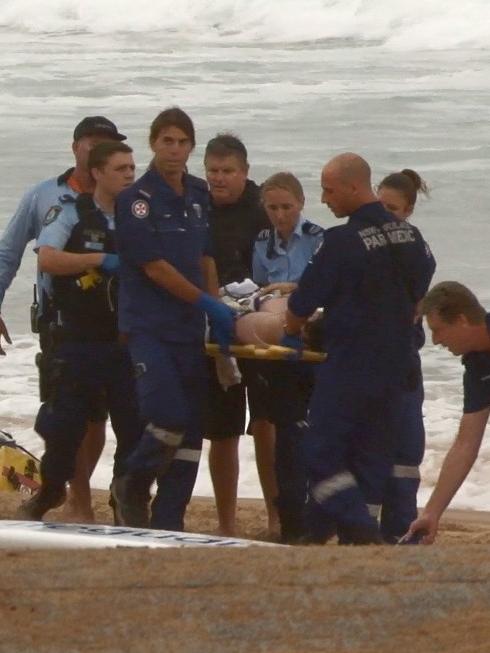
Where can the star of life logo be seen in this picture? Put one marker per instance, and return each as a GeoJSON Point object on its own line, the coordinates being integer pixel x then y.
{"type": "Point", "coordinates": [140, 209]}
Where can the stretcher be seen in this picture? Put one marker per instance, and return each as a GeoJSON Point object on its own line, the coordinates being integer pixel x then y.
{"type": "Point", "coordinates": [271, 352]}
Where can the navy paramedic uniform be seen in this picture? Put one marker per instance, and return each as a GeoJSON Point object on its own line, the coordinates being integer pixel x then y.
{"type": "Point", "coordinates": [368, 275]}
{"type": "Point", "coordinates": [166, 335]}
{"type": "Point", "coordinates": [233, 229]}
{"type": "Point", "coordinates": [399, 506]}
{"type": "Point", "coordinates": [290, 383]}
{"type": "Point", "coordinates": [87, 360]}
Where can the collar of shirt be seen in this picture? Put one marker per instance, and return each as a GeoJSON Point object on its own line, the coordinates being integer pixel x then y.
{"type": "Point", "coordinates": [367, 212]}
{"type": "Point", "coordinates": [297, 233]}
{"type": "Point", "coordinates": [156, 178]}
{"type": "Point", "coordinates": [108, 216]}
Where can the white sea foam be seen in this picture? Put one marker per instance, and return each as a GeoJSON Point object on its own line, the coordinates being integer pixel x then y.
{"type": "Point", "coordinates": [420, 24]}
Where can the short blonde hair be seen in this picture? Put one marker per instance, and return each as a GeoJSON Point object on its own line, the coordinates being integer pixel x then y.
{"type": "Point", "coordinates": [284, 181]}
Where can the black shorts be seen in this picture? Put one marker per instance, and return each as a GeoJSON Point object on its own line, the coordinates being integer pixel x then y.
{"type": "Point", "coordinates": [226, 409]}
{"type": "Point", "coordinates": [98, 401]}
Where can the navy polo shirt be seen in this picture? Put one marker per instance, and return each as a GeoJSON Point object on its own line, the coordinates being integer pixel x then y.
{"type": "Point", "coordinates": [155, 223]}
{"type": "Point", "coordinates": [476, 379]}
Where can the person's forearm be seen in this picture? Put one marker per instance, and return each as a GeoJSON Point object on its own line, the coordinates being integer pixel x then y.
{"type": "Point", "coordinates": [293, 324]}
{"type": "Point", "coordinates": [60, 263]}
{"type": "Point", "coordinates": [455, 468]}
{"type": "Point", "coordinates": [210, 275]}
{"type": "Point", "coordinates": [164, 274]}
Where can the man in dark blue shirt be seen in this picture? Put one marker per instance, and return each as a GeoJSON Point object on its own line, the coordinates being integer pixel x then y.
{"type": "Point", "coordinates": [166, 267]}
{"type": "Point", "coordinates": [368, 276]}
{"type": "Point", "coordinates": [459, 323]}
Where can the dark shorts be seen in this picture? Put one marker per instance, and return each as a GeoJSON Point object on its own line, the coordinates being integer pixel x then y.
{"type": "Point", "coordinates": [98, 411]}
{"type": "Point", "coordinates": [226, 410]}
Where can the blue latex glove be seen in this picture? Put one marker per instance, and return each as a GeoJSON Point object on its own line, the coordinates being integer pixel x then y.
{"type": "Point", "coordinates": [221, 320]}
{"type": "Point", "coordinates": [293, 342]}
{"type": "Point", "coordinates": [110, 264]}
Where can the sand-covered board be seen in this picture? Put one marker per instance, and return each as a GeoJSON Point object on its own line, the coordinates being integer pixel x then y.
{"type": "Point", "coordinates": [56, 535]}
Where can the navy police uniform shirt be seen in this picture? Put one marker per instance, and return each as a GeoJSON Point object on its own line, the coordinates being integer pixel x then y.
{"type": "Point", "coordinates": [275, 260]}
{"type": "Point", "coordinates": [153, 222]}
{"type": "Point", "coordinates": [476, 379]}
{"type": "Point", "coordinates": [368, 275]}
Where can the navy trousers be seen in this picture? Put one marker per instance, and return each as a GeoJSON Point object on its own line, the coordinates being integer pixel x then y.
{"type": "Point", "coordinates": [171, 384]}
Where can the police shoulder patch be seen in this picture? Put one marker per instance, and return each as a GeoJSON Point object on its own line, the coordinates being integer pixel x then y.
{"type": "Point", "coordinates": [51, 215]}
{"type": "Point", "coordinates": [264, 234]}
{"type": "Point", "coordinates": [140, 209]}
{"type": "Point", "coordinates": [311, 229]}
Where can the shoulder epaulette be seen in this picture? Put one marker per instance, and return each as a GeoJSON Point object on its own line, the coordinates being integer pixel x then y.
{"type": "Point", "coordinates": [311, 229]}
{"type": "Point", "coordinates": [144, 193]}
{"type": "Point", "coordinates": [264, 234]}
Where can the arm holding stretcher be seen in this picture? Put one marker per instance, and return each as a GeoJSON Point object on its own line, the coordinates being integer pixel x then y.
{"type": "Point", "coordinates": [259, 334]}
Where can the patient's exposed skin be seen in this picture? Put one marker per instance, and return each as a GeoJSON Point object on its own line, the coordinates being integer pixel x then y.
{"type": "Point", "coordinates": [265, 326]}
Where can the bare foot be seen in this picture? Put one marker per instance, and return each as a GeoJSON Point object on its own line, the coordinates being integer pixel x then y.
{"type": "Point", "coordinates": [72, 514]}
{"type": "Point", "coordinates": [225, 532]}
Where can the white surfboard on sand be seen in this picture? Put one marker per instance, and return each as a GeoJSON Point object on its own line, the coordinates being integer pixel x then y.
{"type": "Point", "coordinates": [46, 535]}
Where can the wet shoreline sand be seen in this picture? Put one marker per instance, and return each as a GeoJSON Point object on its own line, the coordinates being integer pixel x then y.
{"type": "Point", "coordinates": [276, 600]}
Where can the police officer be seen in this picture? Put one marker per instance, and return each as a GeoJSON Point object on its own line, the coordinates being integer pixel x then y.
{"type": "Point", "coordinates": [236, 217]}
{"type": "Point", "coordinates": [43, 203]}
{"type": "Point", "coordinates": [163, 240]}
{"type": "Point", "coordinates": [45, 200]}
{"type": "Point", "coordinates": [368, 276]}
{"type": "Point", "coordinates": [279, 258]}
{"type": "Point", "coordinates": [460, 323]}
{"type": "Point", "coordinates": [77, 251]}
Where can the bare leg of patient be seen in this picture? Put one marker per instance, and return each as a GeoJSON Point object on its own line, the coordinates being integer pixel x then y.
{"type": "Point", "coordinates": [224, 469]}
{"type": "Point", "coordinates": [264, 435]}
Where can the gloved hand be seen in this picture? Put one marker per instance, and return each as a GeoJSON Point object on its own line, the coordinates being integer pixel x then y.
{"type": "Point", "coordinates": [110, 264]}
{"type": "Point", "coordinates": [221, 320]}
{"type": "Point", "coordinates": [293, 342]}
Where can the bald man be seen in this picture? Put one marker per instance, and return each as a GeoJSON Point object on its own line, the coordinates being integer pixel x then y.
{"type": "Point", "coordinates": [368, 276]}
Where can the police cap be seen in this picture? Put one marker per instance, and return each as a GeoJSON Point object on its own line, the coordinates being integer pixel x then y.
{"type": "Point", "coordinates": [92, 125]}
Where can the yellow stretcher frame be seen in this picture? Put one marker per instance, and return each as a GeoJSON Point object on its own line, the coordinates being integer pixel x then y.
{"type": "Point", "coordinates": [271, 353]}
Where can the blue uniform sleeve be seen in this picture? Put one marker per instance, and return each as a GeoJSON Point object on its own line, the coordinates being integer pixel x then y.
{"type": "Point", "coordinates": [22, 228]}
{"type": "Point", "coordinates": [209, 249]}
{"type": "Point", "coordinates": [420, 267]}
{"type": "Point", "coordinates": [320, 278]}
{"type": "Point", "coordinates": [136, 242]}
{"type": "Point", "coordinates": [57, 233]}
{"type": "Point", "coordinates": [259, 271]}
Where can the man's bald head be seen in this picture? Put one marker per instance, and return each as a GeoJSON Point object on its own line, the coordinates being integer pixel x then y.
{"type": "Point", "coordinates": [346, 184]}
{"type": "Point", "coordinates": [351, 168]}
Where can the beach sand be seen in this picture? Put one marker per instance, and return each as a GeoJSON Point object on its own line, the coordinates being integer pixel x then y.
{"type": "Point", "coordinates": [274, 600]}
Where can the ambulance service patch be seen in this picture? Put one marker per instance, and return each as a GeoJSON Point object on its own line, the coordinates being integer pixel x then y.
{"type": "Point", "coordinates": [140, 209]}
{"type": "Point", "coordinates": [51, 215]}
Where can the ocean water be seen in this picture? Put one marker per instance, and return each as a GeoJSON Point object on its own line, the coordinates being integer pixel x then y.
{"type": "Point", "coordinates": [405, 86]}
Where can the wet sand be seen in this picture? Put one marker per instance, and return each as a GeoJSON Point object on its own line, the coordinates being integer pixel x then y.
{"type": "Point", "coordinates": [284, 600]}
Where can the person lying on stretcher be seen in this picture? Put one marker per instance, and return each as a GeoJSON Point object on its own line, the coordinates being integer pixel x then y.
{"type": "Point", "coordinates": [261, 314]}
